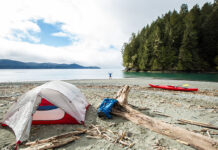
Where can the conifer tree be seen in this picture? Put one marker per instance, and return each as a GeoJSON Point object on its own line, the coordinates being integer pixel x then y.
{"type": "Point", "coordinates": [188, 56]}
{"type": "Point", "coordinates": [184, 41]}
{"type": "Point", "coordinates": [210, 37]}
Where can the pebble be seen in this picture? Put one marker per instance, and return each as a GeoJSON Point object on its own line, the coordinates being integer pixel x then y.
{"type": "Point", "coordinates": [1, 105]}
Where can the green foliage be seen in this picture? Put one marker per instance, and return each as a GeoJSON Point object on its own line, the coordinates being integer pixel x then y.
{"type": "Point", "coordinates": [184, 41]}
{"type": "Point", "coordinates": [188, 55]}
{"type": "Point", "coordinates": [184, 9]}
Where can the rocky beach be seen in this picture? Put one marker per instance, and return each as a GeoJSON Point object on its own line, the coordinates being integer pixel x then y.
{"type": "Point", "coordinates": [164, 105]}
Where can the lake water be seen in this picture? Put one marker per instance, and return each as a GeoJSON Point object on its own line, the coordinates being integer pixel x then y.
{"type": "Point", "coordinates": [17, 75]}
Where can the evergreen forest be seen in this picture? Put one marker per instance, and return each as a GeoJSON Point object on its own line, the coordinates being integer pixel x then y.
{"type": "Point", "coordinates": [177, 41]}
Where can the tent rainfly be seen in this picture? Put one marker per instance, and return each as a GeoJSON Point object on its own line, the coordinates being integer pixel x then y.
{"type": "Point", "coordinates": [54, 102]}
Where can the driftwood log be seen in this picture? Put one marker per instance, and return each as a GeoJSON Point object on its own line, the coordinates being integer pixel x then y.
{"type": "Point", "coordinates": [184, 136]}
{"type": "Point", "coordinates": [55, 141]}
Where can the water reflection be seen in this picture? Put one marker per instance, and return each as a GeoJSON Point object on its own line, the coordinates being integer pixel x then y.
{"type": "Point", "coordinates": [179, 76]}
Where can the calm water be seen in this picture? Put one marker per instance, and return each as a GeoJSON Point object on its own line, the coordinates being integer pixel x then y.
{"type": "Point", "coordinates": [16, 75]}
{"type": "Point", "coordinates": [212, 77]}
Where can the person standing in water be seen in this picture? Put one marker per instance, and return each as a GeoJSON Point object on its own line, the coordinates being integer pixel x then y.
{"type": "Point", "coordinates": [110, 75]}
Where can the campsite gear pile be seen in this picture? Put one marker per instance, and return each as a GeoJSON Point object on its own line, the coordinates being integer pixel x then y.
{"type": "Point", "coordinates": [54, 102]}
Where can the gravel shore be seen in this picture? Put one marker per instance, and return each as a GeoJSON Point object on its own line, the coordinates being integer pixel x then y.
{"type": "Point", "coordinates": [168, 106]}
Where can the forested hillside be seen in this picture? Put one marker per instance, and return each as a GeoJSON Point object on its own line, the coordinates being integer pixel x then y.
{"type": "Point", "coordinates": [177, 41]}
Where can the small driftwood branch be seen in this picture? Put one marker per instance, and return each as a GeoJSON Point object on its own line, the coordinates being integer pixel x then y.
{"type": "Point", "coordinates": [52, 144]}
{"type": "Point", "coordinates": [93, 137]}
{"type": "Point", "coordinates": [98, 132]}
{"type": "Point", "coordinates": [198, 124]}
{"type": "Point", "coordinates": [208, 133]}
{"type": "Point", "coordinates": [182, 135]}
{"type": "Point", "coordinates": [214, 133]}
{"type": "Point", "coordinates": [159, 113]}
{"type": "Point", "coordinates": [205, 130]}
{"type": "Point", "coordinates": [55, 141]}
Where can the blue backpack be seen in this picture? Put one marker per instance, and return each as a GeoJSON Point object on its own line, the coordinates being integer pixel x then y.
{"type": "Point", "coordinates": [105, 107]}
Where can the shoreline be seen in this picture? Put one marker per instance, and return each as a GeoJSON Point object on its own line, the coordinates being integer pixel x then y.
{"type": "Point", "coordinates": [122, 81]}
{"type": "Point", "coordinates": [123, 78]}
{"type": "Point", "coordinates": [201, 106]}
{"type": "Point", "coordinates": [150, 71]}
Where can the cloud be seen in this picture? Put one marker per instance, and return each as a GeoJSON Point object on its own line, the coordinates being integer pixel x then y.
{"type": "Point", "coordinates": [99, 25]}
{"type": "Point", "coordinates": [60, 34]}
{"type": "Point", "coordinates": [42, 53]}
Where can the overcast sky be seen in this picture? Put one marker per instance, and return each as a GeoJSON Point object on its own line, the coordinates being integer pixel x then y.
{"type": "Point", "coordinates": [87, 32]}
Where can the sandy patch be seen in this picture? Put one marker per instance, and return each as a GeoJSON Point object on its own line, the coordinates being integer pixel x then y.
{"type": "Point", "coordinates": [199, 106]}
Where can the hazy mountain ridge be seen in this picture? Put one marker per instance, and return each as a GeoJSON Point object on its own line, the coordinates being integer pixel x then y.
{"type": "Point", "coordinates": [13, 64]}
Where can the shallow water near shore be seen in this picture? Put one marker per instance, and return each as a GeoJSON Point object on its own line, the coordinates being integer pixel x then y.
{"type": "Point", "coordinates": [19, 75]}
{"type": "Point", "coordinates": [212, 77]}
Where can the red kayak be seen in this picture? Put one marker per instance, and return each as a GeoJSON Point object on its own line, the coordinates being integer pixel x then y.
{"type": "Point", "coordinates": [175, 88]}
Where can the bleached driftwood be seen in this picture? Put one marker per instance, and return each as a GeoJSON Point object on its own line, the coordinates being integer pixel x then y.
{"type": "Point", "coordinates": [198, 124]}
{"type": "Point", "coordinates": [53, 142]}
{"type": "Point", "coordinates": [182, 135]}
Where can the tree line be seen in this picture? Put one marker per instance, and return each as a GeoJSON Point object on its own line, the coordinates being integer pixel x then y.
{"type": "Point", "coordinates": [177, 41]}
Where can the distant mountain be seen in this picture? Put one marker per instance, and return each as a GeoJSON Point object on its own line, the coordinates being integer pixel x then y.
{"type": "Point", "coordinates": [12, 64]}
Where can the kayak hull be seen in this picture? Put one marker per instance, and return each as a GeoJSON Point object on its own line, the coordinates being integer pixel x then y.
{"type": "Point", "coordinates": [175, 88]}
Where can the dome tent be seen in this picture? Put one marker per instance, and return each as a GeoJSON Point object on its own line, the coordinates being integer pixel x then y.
{"type": "Point", "coordinates": [64, 96]}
